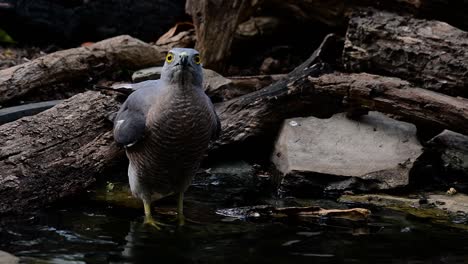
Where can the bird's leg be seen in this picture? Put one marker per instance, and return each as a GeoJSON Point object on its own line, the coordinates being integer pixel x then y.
{"type": "Point", "coordinates": [180, 209]}
{"type": "Point", "coordinates": [148, 217]}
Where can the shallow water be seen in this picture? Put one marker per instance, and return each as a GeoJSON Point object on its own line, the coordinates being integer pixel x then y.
{"type": "Point", "coordinates": [94, 229]}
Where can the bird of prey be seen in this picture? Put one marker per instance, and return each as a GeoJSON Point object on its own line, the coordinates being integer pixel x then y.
{"type": "Point", "coordinates": [166, 126]}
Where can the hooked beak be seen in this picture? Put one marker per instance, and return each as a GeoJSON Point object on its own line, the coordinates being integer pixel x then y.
{"type": "Point", "coordinates": [183, 59]}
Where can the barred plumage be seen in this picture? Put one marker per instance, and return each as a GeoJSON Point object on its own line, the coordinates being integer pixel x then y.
{"type": "Point", "coordinates": [166, 126]}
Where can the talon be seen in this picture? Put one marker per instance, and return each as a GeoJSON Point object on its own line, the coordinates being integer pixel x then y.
{"type": "Point", "coordinates": [151, 222]}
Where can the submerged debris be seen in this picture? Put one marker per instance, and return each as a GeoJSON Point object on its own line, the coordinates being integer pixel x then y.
{"type": "Point", "coordinates": [267, 211]}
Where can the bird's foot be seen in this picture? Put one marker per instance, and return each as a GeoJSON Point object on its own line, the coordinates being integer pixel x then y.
{"type": "Point", "coordinates": [153, 223]}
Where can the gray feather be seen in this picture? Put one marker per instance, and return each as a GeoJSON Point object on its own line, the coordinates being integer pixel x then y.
{"type": "Point", "coordinates": [129, 124]}
{"type": "Point", "coordinates": [166, 126]}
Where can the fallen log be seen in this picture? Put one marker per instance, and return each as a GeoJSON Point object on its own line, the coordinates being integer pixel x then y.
{"type": "Point", "coordinates": [78, 64]}
{"type": "Point", "coordinates": [395, 97]}
{"type": "Point", "coordinates": [216, 22]}
{"type": "Point", "coordinates": [302, 94]}
{"type": "Point", "coordinates": [56, 153]}
{"type": "Point", "coordinates": [431, 54]}
{"type": "Point", "coordinates": [63, 150]}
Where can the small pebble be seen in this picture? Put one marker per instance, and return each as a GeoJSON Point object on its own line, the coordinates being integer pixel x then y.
{"type": "Point", "coordinates": [451, 191]}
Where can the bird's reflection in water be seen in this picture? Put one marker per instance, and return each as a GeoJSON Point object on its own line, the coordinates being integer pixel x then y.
{"type": "Point", "coordinates": [145, 244]}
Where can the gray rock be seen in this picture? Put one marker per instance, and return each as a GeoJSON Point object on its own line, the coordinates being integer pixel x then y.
{"type": "Point", "coordinates": [152, 73]}
{"type": "Point", "coordinates": [7, 258]}
{"type": "Point", "coordinates": [452, 148]}
{"type": "Point", "coordinates": [375, 152]}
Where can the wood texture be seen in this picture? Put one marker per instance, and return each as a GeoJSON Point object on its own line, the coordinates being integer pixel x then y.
{"type": "Point", "coordinates": [63, 150]}
{"type": "Point", "coordinates": [56, 153]}
{"type": "Point", "coordinates": [396, 97]}
{"type": "Point", "coordinates": [78, 64]}
{"type": "Point", "coordinates": [215, 23]}
{"type": "Point", "coordinates": [431, 54]}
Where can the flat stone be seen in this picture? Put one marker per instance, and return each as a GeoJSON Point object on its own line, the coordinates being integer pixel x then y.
{"type": "Point", "coordinates": [7, 258]}
{"type": "Point", "coordinates": [152, 73]}
{"type": "Point", "coordinates": [375, 149]}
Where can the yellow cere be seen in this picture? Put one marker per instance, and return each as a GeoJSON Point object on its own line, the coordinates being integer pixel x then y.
{"type": "Point", "coordinates": [169, 57]}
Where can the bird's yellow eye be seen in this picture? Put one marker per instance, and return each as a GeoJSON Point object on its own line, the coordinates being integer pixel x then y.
{"type": "Point", "coordinates": [197, 59]}
{"type": "Point", "coordinates": [169, 57]}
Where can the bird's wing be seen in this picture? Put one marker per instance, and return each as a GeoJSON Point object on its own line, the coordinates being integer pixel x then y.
{"type": "Point", "coordinates": [217, 123]}
{"type": "Point", "coordinates": [130, 122]}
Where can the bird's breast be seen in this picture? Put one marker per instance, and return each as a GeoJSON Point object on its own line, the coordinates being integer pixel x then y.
{"type": "Point", "coordinates": [180, 128]}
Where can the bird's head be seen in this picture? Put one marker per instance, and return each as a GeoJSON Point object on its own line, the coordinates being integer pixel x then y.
{"type": "Point", "coordinates": [183, 66]}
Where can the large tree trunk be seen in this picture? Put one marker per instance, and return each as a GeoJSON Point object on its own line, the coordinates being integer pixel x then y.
{"type": "Point", "coordinates": [431, 54]}
{"type": "Point", "coordinates": [78, 64]}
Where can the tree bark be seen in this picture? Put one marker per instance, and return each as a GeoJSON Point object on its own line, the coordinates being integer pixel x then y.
{"type": "Point", "coordinates": [56, 153]}
{"type": "Point", "coordinates": [63, 150]}
{"type": "Point", "coordinates": [393, 96]}
{"type": "Point", "coordinates": [431, 54]}
{"type": "Point", "coordinates": [215, 23]}
{"type": "Point", "coordinates": [78, 64]}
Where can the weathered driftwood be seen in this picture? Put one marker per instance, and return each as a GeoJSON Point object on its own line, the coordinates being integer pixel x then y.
{"type": "Point", "coordinates": [242, 85]}
{"type": "Point", "coordinates": [431, 54]}
{"type": "Point", "coordinates": [215, 23]}
{"type": "Point", "coordinates": [56, 153]}
{"type": "Point", "coordinates": [394, 96]}
{"type": "Point", "coordinates": [62, 150]}
{"type": "Point", "coordinates": [78, 64]}
{"type": "Point", "coordinates": [259, 113]}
